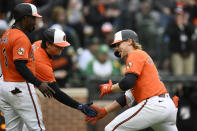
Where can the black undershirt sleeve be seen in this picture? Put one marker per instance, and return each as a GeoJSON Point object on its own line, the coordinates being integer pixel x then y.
{"type": "Point", "coordinates": [24, 71]}
{"type": "Point", "coordinates": [122, 100]}
{"type": "Point", "coordinates": [63, 97]}
{"type": "Point", "coordinates": [128, 81]}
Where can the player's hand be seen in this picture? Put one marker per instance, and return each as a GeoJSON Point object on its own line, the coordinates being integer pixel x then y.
{"type": "Point", "coordinates": [46, 90]}
{"type": "Point", "coordinates": [101, 112]}
{"type": "Point", "coordinates": [176, 101]}
{"type": "Point", "coordinates": [87, 110]}
{"type": "Point", "coordinates": [105, 88]}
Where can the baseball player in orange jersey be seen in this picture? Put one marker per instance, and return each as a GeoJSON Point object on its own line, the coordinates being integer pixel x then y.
{"type": "Point", "coordinates": [52, 43]}
{"type": "Point", "coordinates": [141, 83]}
{"type": "Point", "coordinates": [18, 100]}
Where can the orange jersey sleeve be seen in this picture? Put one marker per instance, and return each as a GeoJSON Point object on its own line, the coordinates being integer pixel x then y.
{"type": "Point", "coordinates": [43, 63]}
{"type": "Point", "coordinates": [135, 63]}
{"type": "Point", "coordinates": [15, 45]}
{"type": "Point", "coordinates": [21, 49]}
{"type": "Point", "coordinates": [148, 83]}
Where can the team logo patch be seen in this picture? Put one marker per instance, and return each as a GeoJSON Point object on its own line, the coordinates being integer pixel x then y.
{"type": "Point", "coordinates": [150, 61]}
{"type": "Point", "coordinates": [21, 51]}
{"type": "Point", "coordinates": [129, 65]}
{"type": "Point", "coordinates": [105, 87]}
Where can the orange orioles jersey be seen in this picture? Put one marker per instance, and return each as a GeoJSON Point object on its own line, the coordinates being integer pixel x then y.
{"type": "Point", "coordinates": [43, 63]}
{"type": "Point", "coordinates": [148, 83]}
{"type": "Point", "coordinates": [14, 45]}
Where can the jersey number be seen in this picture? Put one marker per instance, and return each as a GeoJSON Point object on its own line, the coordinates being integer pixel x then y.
{"type": "Point", "coordinates": [6, 60]}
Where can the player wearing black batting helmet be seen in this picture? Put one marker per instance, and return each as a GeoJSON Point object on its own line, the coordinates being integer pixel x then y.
{"type": "Point", "coordinates": [122, 36]}
{"type": "Point", "coordinates": [25, 14]}
{"type": "Point", "coordinates": [25, 9]}
{"type": "Point", "coordinates": [145, 94]}
{"type": "Point", "coordinates": [18, 77]}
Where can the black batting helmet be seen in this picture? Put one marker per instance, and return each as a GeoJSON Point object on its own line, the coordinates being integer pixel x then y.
{"type": "Point", "coordinates": [25, 9]}
{"type": "Point", "coordinates": [124, 35]}
{"type": "Point", "coordinates": [56, 36]}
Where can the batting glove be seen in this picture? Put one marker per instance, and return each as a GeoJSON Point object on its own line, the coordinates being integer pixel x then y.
{"type": "Point", "coordinates": [87, 110]}
{"type": "Point", "coordinates": [176, 101]}
{"type": "Point", "coordinates": [105, 88]}
{"type": "Point", "coordinates": [101, 112]}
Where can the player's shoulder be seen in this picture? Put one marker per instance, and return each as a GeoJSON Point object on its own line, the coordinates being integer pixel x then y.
{"type": "Point", "coordinates": [139, 53]}
{"type": "Point", "coordinates": [39, 53]}
{"type": "Point", "coordinates": [36, 45]}
{"type": "Point", "coordinates": [16, 34]}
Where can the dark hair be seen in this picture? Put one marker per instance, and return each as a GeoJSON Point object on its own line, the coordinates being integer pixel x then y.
{"type": "Point", "coordinates": [43, 44]}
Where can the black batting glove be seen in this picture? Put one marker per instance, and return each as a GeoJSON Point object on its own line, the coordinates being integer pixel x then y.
{"type": "Point", "coordinates": [87, 110]}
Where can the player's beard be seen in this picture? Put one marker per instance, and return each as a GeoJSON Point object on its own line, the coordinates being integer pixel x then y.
{"type": "Point", "coordinates": [117, 54]}
{"type": "Point", "coordinates": [31, 29]}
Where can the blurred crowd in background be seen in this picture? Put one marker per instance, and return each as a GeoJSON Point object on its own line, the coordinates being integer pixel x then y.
{"type": "Point", "coordinates": [167, 30]}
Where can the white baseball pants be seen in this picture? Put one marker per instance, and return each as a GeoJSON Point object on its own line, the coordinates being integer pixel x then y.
{"type": "Point", "coordinates": [21, 108]}
{"type": "Point", "coordinates": [156, 112]}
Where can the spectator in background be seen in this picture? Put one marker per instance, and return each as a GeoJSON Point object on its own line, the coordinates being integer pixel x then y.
{"type": "Point", "coordinates": [44, 7]}
{"type": "Point", "coordinates": [179, 33]}
{"type": "Point", "coordinates": [107, 33]}
{"type": "Point", "coordinates": [40, 26]}
{"type": "Point", "coordinates": [88, 32]}
{"type": "Point", "coordinates": [191, 7]}
{"type": "Point", "coordinates": [6, 8]}
{"type": "Point", "coordinates": [59, 21]}
{"type": "Point", "coordinates": [194, 37]}
{"type": "Point", "coordinates": [128, 8]}
{"type": "Point", "coordinates": [101, 11]}
{"type": "Point", "coordinates": [75, 18]}
{"type": "Point", "coordinates": [187, 115]}
{"type": "Point", "coordinates": [94, 15]}
{"type": "Point", "coordinates": [148, 28]}
{"type": "Point", "coordinates": [88, 54]}
{"type": "Point", "coordinates": [166, 8]}
{"type": "Point", "coordinates": [3, 27]}
{"type": "Point", "coordinates": [107, 37]}
{"type": "Point", "coordinates": [101, 65]}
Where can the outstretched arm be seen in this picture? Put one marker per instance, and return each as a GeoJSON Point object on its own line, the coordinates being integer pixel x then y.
{"type": "Point", "coordinates": [114, 106]}
{"type": "Point", "coordinates": [102, 112]}
{"type": "Point", "coordinates": [125, 84]}
{"type": "Point", "coordinates": [62, 97]}
{"type": "Point", "coordinates": [67, 100]}
{"type": "Point", "coordinates": [24, 71]}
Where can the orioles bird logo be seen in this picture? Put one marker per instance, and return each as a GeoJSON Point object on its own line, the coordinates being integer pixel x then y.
{"type": "Point", "coordinates": [21, 51]}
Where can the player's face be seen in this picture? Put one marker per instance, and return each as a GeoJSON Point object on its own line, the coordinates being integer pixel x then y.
{"type": "Point", "coordinates": [54, 50]}
{"type": "Point", "coordinates": [30, 23]}
{"type": "Point", "coordinates": [58, 50]}
{"type": "Point", "coordinates": [122, 48]}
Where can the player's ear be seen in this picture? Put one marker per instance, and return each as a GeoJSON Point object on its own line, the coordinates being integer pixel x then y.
{"type": "Point", "coordinates": [47, 44]}
{"type": "Point", "coordinates": [130, 41]}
